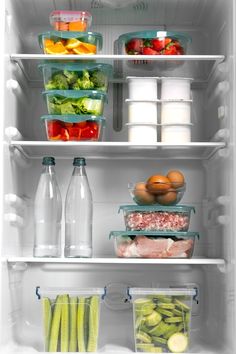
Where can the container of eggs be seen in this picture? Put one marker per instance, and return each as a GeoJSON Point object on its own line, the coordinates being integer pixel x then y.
{"type": "Point", "coordinates": [159, 189]}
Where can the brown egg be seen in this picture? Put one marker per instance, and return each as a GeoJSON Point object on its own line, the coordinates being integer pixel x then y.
{"type": "Point", "coordinates": [141, 194]}
{"type": "Point", "coordinates": [167, 198]}
{"type": "Point", "coordinates": [158, 184]}
{"type": "Point", "coordinates": [176, 178]}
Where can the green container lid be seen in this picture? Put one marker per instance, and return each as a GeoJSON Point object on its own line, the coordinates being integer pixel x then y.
{"type": "Point", "coordinates": [163, 234]}
{"type": "Point", "coordinates": [106, 68]}
{"type": "Point", "coordinates": [76, 94]}
{"type": "Point", "coordinates": [90, 37]}
{"type": "Point", "coordinates": [154, 34]}
{"type": "Point", "coordinates": [151, 208]}
{"type": "Point", "coordinates": [73, 118]}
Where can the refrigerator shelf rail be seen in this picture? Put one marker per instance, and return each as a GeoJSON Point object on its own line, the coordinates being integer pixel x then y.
{"type": "Point", "coordinates": [117, 150]}
{"type": "Point", "coordinates": [200, 67]}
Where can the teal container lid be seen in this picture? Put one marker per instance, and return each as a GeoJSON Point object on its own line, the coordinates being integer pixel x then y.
{"type": "Point", "coordinates": [76, 94]}
{"type": "Point", "coordinates": [150, 208]}
{"type": "Point", "coordinates": [68, 35]}
{"type": "Point", "coordinates": [106, 68]}
{"type": "Point", "coordinates": [163, 234]}
{"type": "Point", "coordinates": [154, 34]}
{"type": "Point", "coordinates": [73, 118]}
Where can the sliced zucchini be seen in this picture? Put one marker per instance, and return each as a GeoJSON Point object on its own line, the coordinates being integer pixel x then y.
{"type": "Point", "coordinates": [178, 343]}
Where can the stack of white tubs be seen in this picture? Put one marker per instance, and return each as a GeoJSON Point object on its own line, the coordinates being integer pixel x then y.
{"type": "Point", "coordinates": [176, 110]}
{"type": "Point", "coordinates": [142, 109]}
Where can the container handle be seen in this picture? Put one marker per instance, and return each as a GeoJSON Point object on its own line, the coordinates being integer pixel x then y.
{"type": "Point", "coordinates": [37, 292]}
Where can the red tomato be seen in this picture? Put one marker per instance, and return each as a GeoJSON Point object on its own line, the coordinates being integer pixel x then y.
{"type": "Point", "coordinates": [64, 134]}
{"type": "Point", "coordinates": [158, 44]}
{"type": "Point", "coordinates": [89, 134]}
{"type": "Point", "coordinates": [53, 128]}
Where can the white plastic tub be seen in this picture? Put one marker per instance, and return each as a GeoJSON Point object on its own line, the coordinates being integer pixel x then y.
{"type": "Point", "coordinates": [141, 88]}
{"type": "Point", "coordinates": [142, 111]}
{"type": "Point", "coordinates": [142, 133]}
{"type": "Point", "coordinates": [175, 88]}
{"type": "Point", "coordinates": [176, 112]}
{"type": "Point", "coordinates": [176, 134]}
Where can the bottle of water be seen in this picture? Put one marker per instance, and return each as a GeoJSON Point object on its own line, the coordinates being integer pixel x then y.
{"type": "Point", "coordinates": [78, 213]}
{"type": "Point", "coordinates": [47, 213]}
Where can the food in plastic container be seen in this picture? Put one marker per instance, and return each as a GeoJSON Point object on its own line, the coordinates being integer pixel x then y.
{"type": "Point", "coordinates": [175, 88]}
{"type": "Point", "coordinates": [76, 76]}
{"type": "Point", "coordinates": [142, 133]}
{"type": "Point", "coordinates": [153, 42]}
{"type": "Point", "coordinates": [62, 20]}
{"type": "Point", "coordinates": [141, 88]}
{"type": "Point", "coordinates": [142, 111]}
{"type": "Point", "coordinates": [162, 319]}
{"type": "Point", "coordinates": [73, 128]}
{"type": "Point", "coordinates": [71, 319]}
{"type": "Point", "coordinates": [176, 133]}
{"type": "Point", "coordinates": [140, 244]}
{"type": "Point", "coordinates": [156, 217]}
{"type": "Point", "coordinates": [79, 43]}
{"type": "Point", "coordinates": [176, 112]}
{"type": "Point", "coordinates": [82, 102]}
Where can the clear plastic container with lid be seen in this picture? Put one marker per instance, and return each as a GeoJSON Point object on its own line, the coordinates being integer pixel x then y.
{"type": "Point", "coordinates": [162, 319]}
{"type": "Point", "coordinates": [62, 20]}
{"type": "Point", "coordinates": [157, 217]}
{"type": "Point", "coordinates": [76, 76]}
{"type": "Point", "coordinates": [73, 128]}
{"type": "Point", "coordinates": [151, 244]}
{"type": "Point", "coordinates": [70, 318]}
{"type": "Point", "coordinates": [83, 102]}
{"type": "Point", "coordinates": [77, 43]}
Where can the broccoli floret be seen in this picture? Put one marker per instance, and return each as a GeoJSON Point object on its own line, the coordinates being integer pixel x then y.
{"type": "Point", "coordinates": [71, 76]}
{"type": "Point", "coordinates": [84, 82]}
{"type": "Point", "coordinates": [99, 80]}
{"type": "Point", "coordinates": [58, 82]}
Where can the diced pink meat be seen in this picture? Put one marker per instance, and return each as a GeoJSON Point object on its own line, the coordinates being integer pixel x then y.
{"type": "Point", "coordinates": [178, 248]}
{"type": "Point", "coordinates": [157, 221]}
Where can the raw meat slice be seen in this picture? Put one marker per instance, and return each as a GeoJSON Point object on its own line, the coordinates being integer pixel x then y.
{"type": "Point", "coordinates": [180, 247]}
{"type": "Point", "coordinates": [150, 248]}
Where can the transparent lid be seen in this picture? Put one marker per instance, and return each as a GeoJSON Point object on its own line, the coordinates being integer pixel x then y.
{"type": "Point", "coordinates": [154, 34]}
{"type": "Point", "coordinates": [164, 234]}
{"type": "Point", "coordinates": [70, 16]}
{"type": "Point", "coordinates": [73, 118]}
{"type": "Point", "coordinates": [76, 94]}
{"type": "Point", "coordinates": [162, 291]}
{"type": "Point", "coordinates": [150, 208]}
{"type": "Point", "coordinates": [47, 292]}
{"type": "Point", "coordinates": [69, 34]}
{"type": "Point", "coordinates": [106, 68]}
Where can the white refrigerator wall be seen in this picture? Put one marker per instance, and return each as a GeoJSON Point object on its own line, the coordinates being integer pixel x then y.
{"type": "Point", "coordinates": [210, 184]}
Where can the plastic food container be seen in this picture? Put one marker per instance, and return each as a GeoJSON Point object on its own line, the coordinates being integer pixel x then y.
{"type": "Point", "coordinates": [162, 319]}
{"type": "Point", "coordinates": [76, 76]}
{"type": "Point", "coordinates": [142, 133]}
{"type": "Point", "coordinates": [141, 88]}
{"type": "Point", "coordinates": [73, 128]}
{"type": "Point", "coordinates": [141, 111]}
{"type": "Point", "coordinates": [62, 20]}
{"type": "Point", "coordinates": [71, 319]}
{"type": "Point", "coordinates": [142, 196]}
{"type": "Point", "coordinates": [82, 102]}
{"type": "Point", "coordinates": [153, 42]}
{"type": "Point", "coordinates": [176, 133]}
{"type": "Point", "coordinates": [156, 217]}
{"type": "Point", "coordinates": [78, 43]}
{"type": "Point", "coordinates": [147, 244]}
{"type": "Point", "coordinates": [175, 88]}
{"type": "Point", "coordinates": [176, 112]}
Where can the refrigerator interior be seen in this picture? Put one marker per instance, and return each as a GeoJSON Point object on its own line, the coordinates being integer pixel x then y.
{"type": "Point", "coordinates": [210, 178]}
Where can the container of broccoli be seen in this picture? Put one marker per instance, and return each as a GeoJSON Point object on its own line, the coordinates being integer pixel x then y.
{"type": "Point", "coordinates": [76, 76]}
{"type": "Point", "coordinates": [83, 102]}
{"type": "Point", "coordinates": [162, 319]}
